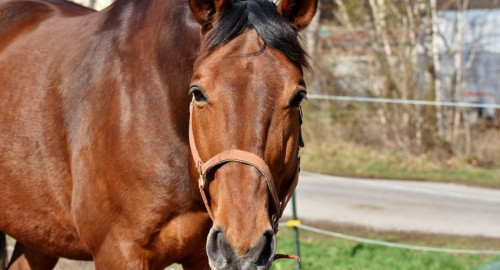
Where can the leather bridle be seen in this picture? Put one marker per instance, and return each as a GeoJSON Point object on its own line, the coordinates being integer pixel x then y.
{"type": "Point", "coordinates": [243, 157]}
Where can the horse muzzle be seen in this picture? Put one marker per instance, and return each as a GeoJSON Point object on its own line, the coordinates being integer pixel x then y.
{"type": "Point", "coordinates": [223, 256]}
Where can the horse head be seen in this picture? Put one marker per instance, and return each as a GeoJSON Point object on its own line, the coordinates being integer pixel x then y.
{"type": "Point", "coordinates": [247, 86]}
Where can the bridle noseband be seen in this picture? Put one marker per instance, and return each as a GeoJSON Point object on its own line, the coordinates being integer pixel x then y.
{"type": "Point", "coordinates": [243, 157]}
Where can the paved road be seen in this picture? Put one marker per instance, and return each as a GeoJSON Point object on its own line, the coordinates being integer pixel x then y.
{"type": "Point", "coordinates": [399, 205]}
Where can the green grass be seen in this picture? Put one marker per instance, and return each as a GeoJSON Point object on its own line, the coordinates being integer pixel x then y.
{"type": "Point", "coordinates": [319, 252]}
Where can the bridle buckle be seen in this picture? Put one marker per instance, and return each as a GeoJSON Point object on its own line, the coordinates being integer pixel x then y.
{"type": "Point", "coordinates": [202, 181]}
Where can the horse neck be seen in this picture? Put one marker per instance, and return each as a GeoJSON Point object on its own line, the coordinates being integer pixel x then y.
{"type": "Point", "coordinates": [158, 32]}
{"type": "Point", "coordinates": [157, 42]}
{"type": "Point", "coordinates": [162, 20]}
{"type": "Point", "coordinates": [141, 60]}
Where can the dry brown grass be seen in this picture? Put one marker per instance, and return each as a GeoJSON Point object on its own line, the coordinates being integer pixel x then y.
{"type": "Point", "coordinates": [350, 140]}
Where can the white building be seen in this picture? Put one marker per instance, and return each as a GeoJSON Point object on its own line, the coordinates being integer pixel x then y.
{"type": "Point", "coordinates": [95, 4]}
{"type": "Point", "coordinates": [481, 54]}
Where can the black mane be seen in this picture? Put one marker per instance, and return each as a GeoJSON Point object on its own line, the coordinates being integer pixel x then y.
{"type": "Point", "coordinates": [261, 15]}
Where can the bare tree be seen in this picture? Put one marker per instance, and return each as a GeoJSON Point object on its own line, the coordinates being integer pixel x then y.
{"type": "Point", "coordinates": [436, 66]}
{"type": "Point", "coordinates": [404, 41]}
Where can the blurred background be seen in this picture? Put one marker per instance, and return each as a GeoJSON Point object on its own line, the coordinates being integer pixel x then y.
{"type": "Point", "coordinates": [441, 51]}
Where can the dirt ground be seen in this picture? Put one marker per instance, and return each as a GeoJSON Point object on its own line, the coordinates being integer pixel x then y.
{"type": "Point", "coordinates": [65, 264]}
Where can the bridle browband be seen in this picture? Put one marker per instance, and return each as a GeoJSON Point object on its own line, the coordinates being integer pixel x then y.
{"type": "Point", "coordinates": [243, 157]}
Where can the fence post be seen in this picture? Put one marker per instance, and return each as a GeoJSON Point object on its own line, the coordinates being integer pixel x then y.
{"type": "Point", "coordinates": [296, 230]}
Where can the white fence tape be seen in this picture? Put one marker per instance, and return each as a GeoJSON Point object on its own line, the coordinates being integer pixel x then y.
{"type": "Point", "coordinates": [404, 101]}
{"type": "Point", "coordinates": [394, 245]}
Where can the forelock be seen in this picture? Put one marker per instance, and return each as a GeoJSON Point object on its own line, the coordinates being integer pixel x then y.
{"type": "Point", "coordinates": [263, 17]}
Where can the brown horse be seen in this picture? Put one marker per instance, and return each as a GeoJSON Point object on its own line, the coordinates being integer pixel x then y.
{"type": "Point", "coordinates": [100, 158]}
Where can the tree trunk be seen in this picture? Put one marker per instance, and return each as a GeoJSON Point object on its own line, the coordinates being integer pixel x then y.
{"type": "Point", "coordinates": [438, 97]}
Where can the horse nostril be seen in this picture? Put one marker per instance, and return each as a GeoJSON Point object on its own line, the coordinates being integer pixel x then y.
{"type": "Point", "coordinates": [264, 250]}
{"type": "Point", "coordinates": [222, 255]}
{"type": "Point", "coordinates": [225, 248]}
{"type": "Point", "coordinates": [219, 250]}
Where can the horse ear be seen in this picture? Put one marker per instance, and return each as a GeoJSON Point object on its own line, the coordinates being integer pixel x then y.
{"type": "Point", "coordinates": [298, 13]}
{"type": "Point", "coordinates": [206, 12]}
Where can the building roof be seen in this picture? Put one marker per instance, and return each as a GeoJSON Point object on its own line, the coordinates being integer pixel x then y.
{"type": "Point", "coordinates": [473, 4]}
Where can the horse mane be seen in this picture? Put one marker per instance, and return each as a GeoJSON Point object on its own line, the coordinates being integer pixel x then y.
{"type": "Point", "coordinates": [261, 15]}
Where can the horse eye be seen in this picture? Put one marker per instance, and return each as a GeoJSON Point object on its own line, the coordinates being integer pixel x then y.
{"type": "Point", "coordinates": [198, 94]}
{"type": "Point", "coordinates": [297, 99]}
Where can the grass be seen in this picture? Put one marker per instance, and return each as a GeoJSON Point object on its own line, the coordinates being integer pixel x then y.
{"type": "Point", "coordinates": [319, 252]}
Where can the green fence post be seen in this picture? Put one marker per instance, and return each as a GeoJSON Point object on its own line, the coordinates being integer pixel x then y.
{"type": "Point", "coordinates": [296, 231]}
